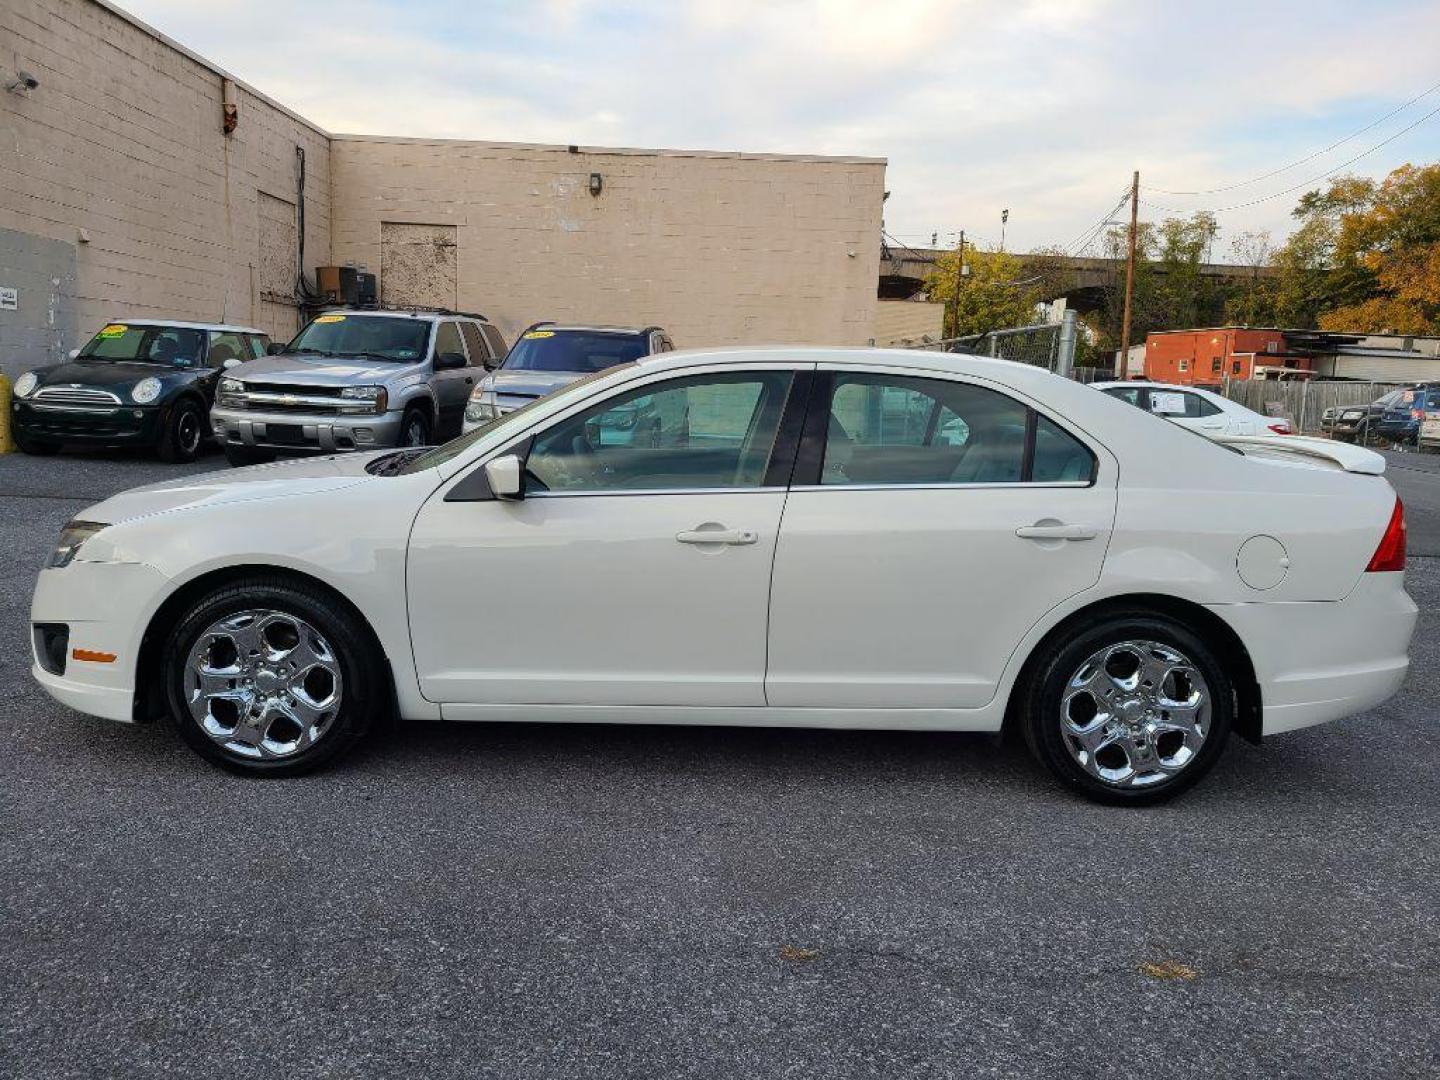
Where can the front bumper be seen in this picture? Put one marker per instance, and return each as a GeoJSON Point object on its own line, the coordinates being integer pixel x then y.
{"type": "Point", "coordinates": [1321, 661]}
{"type": "Point", "coordinates": [298, 433]}
{"type": "Point", "coordinates": [106, 607]}
{"type": "Point", "coordinates": [123, 425]}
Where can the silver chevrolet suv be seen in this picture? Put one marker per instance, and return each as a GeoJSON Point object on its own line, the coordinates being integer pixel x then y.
{"type": "Point", "coordinates": [356, 379]}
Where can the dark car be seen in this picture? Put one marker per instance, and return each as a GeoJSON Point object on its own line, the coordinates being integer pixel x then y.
{"type": "Point", "coordinates": [1400, 422]}
{"type": "Point", "coordinates": [1351, 422]}
{"type": "Point", "coordinates": [548, 356]}
{"type": "Point", "coordinates": [138, 382]}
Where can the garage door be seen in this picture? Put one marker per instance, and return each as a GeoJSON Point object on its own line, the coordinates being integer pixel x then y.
{"type": "Point", "coordinates": [418, 265]}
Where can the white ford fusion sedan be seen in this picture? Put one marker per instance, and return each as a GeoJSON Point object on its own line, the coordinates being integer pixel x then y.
{"type": "Point", "coordinates": [788, 536]}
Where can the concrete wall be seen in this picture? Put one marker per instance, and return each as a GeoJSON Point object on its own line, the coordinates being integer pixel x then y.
{"type": "Point", "coordinates": [899, 322]}
{"type": "Point", "coordinates": [719, 248]}
{"type": "Point", "coordinates": [118, 159]}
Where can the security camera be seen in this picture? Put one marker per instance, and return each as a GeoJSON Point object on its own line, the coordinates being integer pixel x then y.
{"type": "Point", "coordinates": [24, 82]}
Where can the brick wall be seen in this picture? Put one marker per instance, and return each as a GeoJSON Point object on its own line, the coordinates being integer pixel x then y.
{"type": "Point", "coordinates": [122, 139]}
{"type": "Point", "coordinates": [719, 248]}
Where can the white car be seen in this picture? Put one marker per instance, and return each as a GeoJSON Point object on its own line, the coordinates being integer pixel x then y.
{"type": "Point", "coordinates": [1192, 407]}
{"type": "Point", "coordinates": [806, 537]}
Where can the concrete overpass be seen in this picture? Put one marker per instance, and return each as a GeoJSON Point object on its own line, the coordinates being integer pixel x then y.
{"type": "Point", "coordinates": [1081, 281]}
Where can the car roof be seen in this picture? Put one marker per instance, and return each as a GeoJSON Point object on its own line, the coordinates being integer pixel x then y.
{"type": "Point", "coordinates": [406, 313]}
{"type": "Point", "coordinates": [984, 367]}
{"type": "Point", "coordinates": [229, 328]}
{"type": "Point", "coordinates": [595, 328]}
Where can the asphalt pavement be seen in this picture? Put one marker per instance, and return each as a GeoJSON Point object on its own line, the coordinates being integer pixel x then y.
{"type": "Point", "coordinates": [555, 901]}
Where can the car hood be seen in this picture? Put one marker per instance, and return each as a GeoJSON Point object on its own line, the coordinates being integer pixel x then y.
{"type": "Point", "coordinates": [529, 383]}
{"type": "Point", "coordinates": [306, 370]}
{"type": "Point", "coordinates": [108, 374]}
{"type": "Point", "coordinates": [299, 476]}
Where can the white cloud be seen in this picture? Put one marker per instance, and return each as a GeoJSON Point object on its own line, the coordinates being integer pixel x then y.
{"type": "Point", "coordinates": [1041, 106]}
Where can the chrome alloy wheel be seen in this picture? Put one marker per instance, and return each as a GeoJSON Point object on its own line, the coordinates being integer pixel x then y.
{"type": "Point", "coordinates": [1135, 713]}
{"type": "Point", "coordinates": [263, 684]}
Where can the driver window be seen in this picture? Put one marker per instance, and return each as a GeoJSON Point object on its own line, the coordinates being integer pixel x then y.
{"type": "Point", "coordinates": [706, 431]}
{"type": "Point", "coordinates": [447, 340]}
{"type": "Point", "coordinates": [226, 347]}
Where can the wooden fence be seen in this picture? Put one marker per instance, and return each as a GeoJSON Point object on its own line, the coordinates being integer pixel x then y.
{"type": "Point", "coordinates": [1304, 403]}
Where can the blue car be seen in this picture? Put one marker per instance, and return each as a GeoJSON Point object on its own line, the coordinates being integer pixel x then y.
{"type": "Point", "coordinates": [1400, 422]}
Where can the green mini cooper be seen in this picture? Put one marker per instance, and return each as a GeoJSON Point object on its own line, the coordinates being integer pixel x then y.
{"type": "Point", "coordinates": [138, 382]}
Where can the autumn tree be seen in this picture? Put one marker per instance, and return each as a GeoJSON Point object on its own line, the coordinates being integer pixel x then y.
{"type": "Point", "coordinates": [994, 294]}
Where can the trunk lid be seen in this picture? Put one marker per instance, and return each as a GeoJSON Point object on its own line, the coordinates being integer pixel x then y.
{"type": "Point", "coordinates": [1302, 451]}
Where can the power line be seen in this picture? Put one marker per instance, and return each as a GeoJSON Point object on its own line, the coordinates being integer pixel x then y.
{"type": "Point", "coordinates": [1302, 161]}
{"type": "Point", "coordinates": [1302, 184]}
{"type": "Point", "coordinates": [1086, 238]}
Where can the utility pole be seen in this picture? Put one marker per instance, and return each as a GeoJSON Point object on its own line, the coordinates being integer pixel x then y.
{"type": "Point", "coordinates": [1130, 272]}
{"type": "Point", "coordinates": [959, 275]}
{"type": "Point", "coordinates": [1004, 217]}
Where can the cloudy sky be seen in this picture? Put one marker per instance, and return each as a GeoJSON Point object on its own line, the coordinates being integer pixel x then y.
{"type": "Point", "coordinates": [1041, 106]}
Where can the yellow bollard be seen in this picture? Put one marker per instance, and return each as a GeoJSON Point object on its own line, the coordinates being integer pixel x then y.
{"type": "Point", "coordinates": [7, 443]}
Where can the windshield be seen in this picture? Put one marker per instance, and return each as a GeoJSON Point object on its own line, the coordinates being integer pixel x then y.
{"type": "Point", "coordinates": [380, 337]}
{"type": "Point", "coordinates": [176, 346]}
{"type": "Point", "coordinates": [455, 447]}
{"type": "Point", "coordinates": [585, 351]}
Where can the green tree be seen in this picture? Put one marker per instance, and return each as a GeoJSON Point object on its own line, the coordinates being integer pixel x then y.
{"type": "Point", "coordinates": [994, 294]}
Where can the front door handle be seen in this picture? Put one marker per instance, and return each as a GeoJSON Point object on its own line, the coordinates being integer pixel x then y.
{"type": "Point", "coordinates": [702, 535]}
{"type": "Point", "coordinates": [1056, 531]}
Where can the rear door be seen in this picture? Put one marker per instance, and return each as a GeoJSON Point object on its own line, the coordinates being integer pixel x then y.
{"type": "Point", "coordinates": [931, 523]}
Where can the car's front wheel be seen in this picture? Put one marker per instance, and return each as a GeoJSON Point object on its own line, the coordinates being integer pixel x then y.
{"type": "Point", "coordinates": [1131, 708]}
{"type": "Point", "coordinates": [183, 432]}
{"type": "Point", "coordinates": [271, 677]}
{"type": "Point", "coordinates": [415, 428]}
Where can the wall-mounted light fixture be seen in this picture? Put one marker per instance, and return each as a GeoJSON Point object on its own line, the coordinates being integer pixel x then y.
{"type": "Point", "coordinates": [23, 84]}
{"type": "Point", "coordinates": [597, 183]}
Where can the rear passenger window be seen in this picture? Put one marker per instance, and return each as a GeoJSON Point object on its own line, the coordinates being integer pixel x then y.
{"type": "Point", "coordinates": [898, 430]}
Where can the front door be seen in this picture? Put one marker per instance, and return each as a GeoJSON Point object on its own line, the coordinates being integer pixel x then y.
{"type": "Point", "coordinates": [636, 569]}
{"type": "Point", "coordinates": [452, 385]}
{"type": "Point", "coordinates": [932, 524]}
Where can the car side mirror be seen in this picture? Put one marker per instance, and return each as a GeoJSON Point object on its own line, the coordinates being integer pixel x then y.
{"type": "Point", "coordinates": [506, 475]}
{"type": "Point", "coordinates": [73, 353]}
{"type": "Point", "coordinates": [274, 349]}
{"type": "Point", "coordinates": [449, 361]}
{"type": "Point", "coordinates": [492, 363]}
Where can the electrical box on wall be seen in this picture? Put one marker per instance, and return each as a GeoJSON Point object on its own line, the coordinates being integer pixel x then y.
{"type": "Point", "coordinates": [345, 285]}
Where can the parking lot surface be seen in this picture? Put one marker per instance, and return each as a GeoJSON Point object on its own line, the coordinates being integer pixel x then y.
{"type": "Point", "coordinates": [555, 901]}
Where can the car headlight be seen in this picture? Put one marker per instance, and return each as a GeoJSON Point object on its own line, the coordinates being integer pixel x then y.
{"type": "Point", "coordinates": [364, 399]}
{"type": "Point", "coordinates": [71, 537]}
{"type": "Point", "coordinates": [482, 405]}
{"type": "Point", "coordinates": [25, 384]}
{"type": "Point", "coordinates": [145, 391]}
{"type": "Point", "coordinates": [230, 392]}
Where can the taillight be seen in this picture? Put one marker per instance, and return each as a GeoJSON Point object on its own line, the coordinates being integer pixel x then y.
{"type": "Point", "coordinates": [1390, 555]}
{"type": "Point", "coordinates": [1281, 428]}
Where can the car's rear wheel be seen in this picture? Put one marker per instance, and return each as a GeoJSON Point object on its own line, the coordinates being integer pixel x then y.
{"type": "Point", "coordinates": [1132, 708]}
{"type": "Point", "coordinates": [183, 433]}
{"type": "Point", "coordinates": [274, 678]}
{"type": "Point", "coordinates": [240, 456]}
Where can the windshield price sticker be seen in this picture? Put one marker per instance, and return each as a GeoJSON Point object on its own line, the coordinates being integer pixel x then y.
{"type": "Point", "coordinates": [539, 334]}
{"type": "Point", "coordinates": [330, 318]}
{"type": "Point", "coordinates": [113, 330]}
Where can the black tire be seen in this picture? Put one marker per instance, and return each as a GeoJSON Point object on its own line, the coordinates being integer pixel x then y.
{"type": "Point", "coordinates": [361, 696]}
{"type": "Point", "coordinates": [37, 447]}
{"type": "Point", "coordinates": [414, 425]}
{"type": "Point", "coordinates": [183, 433]}
{"type": "Point", "coordinates": [1066, 657]}
{"type": "Point", "coordinates": [240, 456]}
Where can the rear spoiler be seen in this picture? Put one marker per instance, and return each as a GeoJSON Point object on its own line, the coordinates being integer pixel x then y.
{"type": "Point", "coordinates": [1340, 455]}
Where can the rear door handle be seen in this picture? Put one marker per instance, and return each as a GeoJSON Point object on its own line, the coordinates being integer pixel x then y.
{"type": "Point", "coordinates": [717, 536]}
{"type": "Point", "coordinates": [1057, 531]}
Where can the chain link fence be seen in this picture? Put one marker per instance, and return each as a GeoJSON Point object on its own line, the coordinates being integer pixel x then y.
{"type": "Point", "coordinates": [1048, 345]}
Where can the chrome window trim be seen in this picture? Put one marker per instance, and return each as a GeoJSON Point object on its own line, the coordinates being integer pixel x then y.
{"type": "Point", "coordinates": [621, 492]}
{"type": "Point", "coordinates": [1016, 484]}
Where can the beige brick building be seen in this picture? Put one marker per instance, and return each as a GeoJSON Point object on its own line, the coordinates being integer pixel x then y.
{"type": "Point", "coordinates": [121, 193]}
